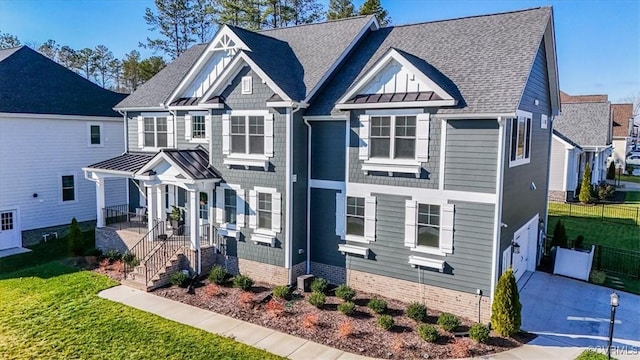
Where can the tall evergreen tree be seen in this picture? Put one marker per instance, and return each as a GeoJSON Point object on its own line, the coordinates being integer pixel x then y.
{"type": "Point", "coordinates": [85, 63]}
{"type": "Point", "coordinates": [340, 9]}
{"type": "Point", "coordinates": [49, 49]}
{"type": "Point", "coordinates": [585, 186]}
{"type": "Point", "coordinates": [243, 13]}
{"type": "Point", "coordinates": [131, 71]}
{"type": "Point", "coordinates": [506, 310]}
{"type": "Point", "coordinates": [8, 41]}
{"type": "Point", "coordinates": [173, 19]}
{"type": "Point", "coordinates": [68, 57]}
{"type": "Point", "coordinates": [205, 17]}
{"type": "Point", "coordinates": [102, 58]}
{"type": "Point", "coordinates": [373, 7]}
{"type": "Point", "coordinates": [303, 12]}
{"type": "Point", "coordinates": [151, 66]}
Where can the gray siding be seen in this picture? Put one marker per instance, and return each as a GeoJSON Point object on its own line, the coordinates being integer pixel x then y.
{"type": "Point", "coordinates": [517, 180]}
{"type": "Point", "coordinates": [328, 150]}
{"type": "Point", "coordinates": [557, 166]}
{"type": "Point", "coordinates": [430, 170]}
{"type": "Point", "coordinates": [324, 241]}
{"type": "Point", "coordinates": [299, 210]}
{"type": "Point", "coordinates": [248, 179]}
{"type": "Point", "coordinates": [467, 269]}
{"type": "Point", "coordinates": [471, 155]}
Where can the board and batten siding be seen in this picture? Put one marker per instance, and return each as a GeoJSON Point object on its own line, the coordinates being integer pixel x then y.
{"type": "Point", "coordinates": [520, 203]}
{"type": "Point", "coordinates": [324, 241]}
{"type": "Point", "coordinates": [466, 270]}
{"type": "Point", "coordinates": [471, 155]}
{"type": "Point", "coordinates": [300, 155]}
{"type": "Point", "coordinates": [248, 179]}
{"type": "Point", "coordinates": [33, 160]}
{"type": "Point", "coordinates": [557, 166]}
{"type": "Point", "coordinates": [328, 150]}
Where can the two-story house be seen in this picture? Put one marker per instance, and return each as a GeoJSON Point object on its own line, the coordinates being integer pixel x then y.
{"type": "Point", "coordinates": [52, 123]}
{"type": "Point", "coordinates": [406, 161]}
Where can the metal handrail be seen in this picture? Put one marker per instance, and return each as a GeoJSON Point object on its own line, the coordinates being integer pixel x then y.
{"type": "Point", "coordinates": [158, 257]}
{"type": "Point", "coordinates": [145, 245]}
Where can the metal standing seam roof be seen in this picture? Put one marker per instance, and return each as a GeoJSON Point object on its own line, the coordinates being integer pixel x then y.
{"type": "Point", "coordinates": [128, 162]}
{"type": "Point", "coordinates": [395, 97]}
{"type": "Point", "coordinates": [194, 162]}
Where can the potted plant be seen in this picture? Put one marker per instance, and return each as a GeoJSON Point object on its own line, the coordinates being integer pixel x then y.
{"type": "Point", "coordinates": [177, 220]}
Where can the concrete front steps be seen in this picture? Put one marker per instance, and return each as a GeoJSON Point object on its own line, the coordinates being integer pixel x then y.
{"type": "Point", "coordinates": [135, 279]}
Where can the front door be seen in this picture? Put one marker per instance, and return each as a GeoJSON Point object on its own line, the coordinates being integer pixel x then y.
{"type": "Point", "coordinates": [521, 237]}
{"type": "Point", "coordinates": [9, 231]}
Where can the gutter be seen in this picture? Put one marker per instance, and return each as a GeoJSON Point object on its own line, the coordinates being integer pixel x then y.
{"type": "Point", "coordinates": [288, 189]}
{"type": "Point", "coordinates": [306, 122]}
{"type": "Point", "coordinates": [497, 226]}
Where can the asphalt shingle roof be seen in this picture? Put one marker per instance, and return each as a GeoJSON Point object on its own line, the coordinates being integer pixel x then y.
{"type": "Point", "coordinates": [32, 83]}
{"type": "Point", "coordinates": [563, 137]}
{"type": "Point", "coordinates": [485, 59]}
{"type": "Point", "coordinates": [586, 124]}
{"type": "Point", "coordinates": [158, 89]}
{"type": "Point", "coordinates": [621, 115]}
{"type": "Point", "coordinates": [128, 162]}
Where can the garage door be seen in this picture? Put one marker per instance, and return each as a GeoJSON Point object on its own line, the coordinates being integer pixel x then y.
{"type": "Point", "coordinates": [9, 231]}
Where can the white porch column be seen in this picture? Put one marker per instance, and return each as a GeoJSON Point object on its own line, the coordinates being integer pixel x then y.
{"type": "Point", "coordinates": [100, 202]}
{"type": "Point", "coordinates": [161, 204]}
{"type": "Point", "coordinates": [193, 219]}
{"type": "Point", "coordinates": [152, 202]}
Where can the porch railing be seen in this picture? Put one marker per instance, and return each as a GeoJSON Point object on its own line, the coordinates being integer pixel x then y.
{"type": "Point", "coordinates": [144, 246]}
{"type": "Point", "coordinates": [212, 238]}
{"type": "Point", "coordinates": [159, 256]}
{"type": "Point", "coordinates": [119, 217]}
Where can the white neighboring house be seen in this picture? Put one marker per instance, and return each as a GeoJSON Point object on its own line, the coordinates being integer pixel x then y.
{"type": "Point", "coordinates": [52, 122]}
{"type": "Point", "coordinates": [582, 134]}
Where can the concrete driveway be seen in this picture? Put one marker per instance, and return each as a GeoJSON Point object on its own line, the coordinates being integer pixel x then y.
{"type": "Point", "coordinates": [570, 313]}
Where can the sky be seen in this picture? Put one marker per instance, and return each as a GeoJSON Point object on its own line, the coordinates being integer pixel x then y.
{"type": "Point", "coordinates": [598, 42]}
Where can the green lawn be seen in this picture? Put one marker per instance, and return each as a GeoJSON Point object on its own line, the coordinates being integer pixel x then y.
{"type": "Point", "coordinates": [52, 311]}
{"type": "Point", "coordinates": [632, 198]}
{"type": "Point", "coordinates": [591, 355]}
{"type": "Point", "coordinates": [630, 178]}
{"type": "Point", "coordinates": [597, 231]}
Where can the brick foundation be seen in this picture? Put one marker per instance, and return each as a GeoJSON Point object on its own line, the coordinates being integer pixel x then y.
{"type": "Point", "coordinates": [272, 274]}
{"type": "Point", "coordinates": [333, 274]}
{"type": "Point", "coordinates": [33, 237]}
{"type": "Point", "coordinates": [456, 302]}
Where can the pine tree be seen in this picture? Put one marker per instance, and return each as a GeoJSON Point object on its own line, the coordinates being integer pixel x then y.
{"type": "Point", "coordinates": [559, 235]}
{"type": "Point", "coordinates": [373, 7]}
{"type": "Point", "coordinates": [340, 9]}
{"type": "Point", "coordinates": [585, 186]}
{"type": "Point", "coordinates": [303, 12]}
{"type": "Point", "coordinates": [8, 41]}
{"type": "Point", "coordinates": [506, 309]}
{"type": "Point", "coordinates": [173, 19]}
{"type": "Point", "coordinates": [75, 242]}
{"type": "Point", "coordinates": [611, 171]}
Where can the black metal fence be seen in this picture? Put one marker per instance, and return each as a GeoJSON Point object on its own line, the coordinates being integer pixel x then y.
{"type": "Point", "coordinates": [119, 217]}
{"type": "Point", "coordinates": [610, 212]}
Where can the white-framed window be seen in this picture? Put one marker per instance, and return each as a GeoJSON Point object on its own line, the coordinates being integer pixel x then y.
{"type": "Point", "coordinates": [429, 227]}
{"type": "Point", "coordinates": [68, 188]}
{"type": "Point", "coordinates": [155, 132]}
{"type": "Point", "coordinates": [394, 141]}
{"type": "Point", "coordinates": [94, 134]}
{"type": "Point", "coordinates": [204, 206]}
{"type": "Point", "coordinates": [520, 140]}
{"type": "Point", "coordinates": [264, 210]}
{"type": "Point", "coordinates": [247, 138]}
{"type": "Point", "coordinates": [6, 221]}
{"type": "Point", "coordinates": [356, 217]}
{"type": "Point", "coordinates": [197, 127]}
{"type": "Point", "coordinates": [247, 85]}
{"type": "Point", "coordinates": [265, 215]}
{"type": "Point", "coordinates": [230, 208]}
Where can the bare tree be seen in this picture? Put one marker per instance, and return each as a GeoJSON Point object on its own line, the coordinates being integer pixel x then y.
{"type": "Point", "coordinates": [8, 41]}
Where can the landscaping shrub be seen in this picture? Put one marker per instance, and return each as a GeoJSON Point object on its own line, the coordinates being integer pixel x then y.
{"type": "Point", "coordinates": [377, 305]}
{"type": "Point", "coordinates": [428, 332]}
{"type": "Point", "coordinates": [93, 252]}
{"type": "Point", "coordinates": [113, 255]}
{"type": "Point", "coordinates": [281, 292]}
{"type": "Point", "coordinates": [559, 235]}
{"type": "Point", "coordinates": [319, 285]}
{"type": "Point", "coordinates": [347, 308]}
{"type": "Point", "coordinates": [598, 277]}
{"type": "Point", "coordinates": [130, 259]}
{"type": "Point", "coordinates": [274, 307]}
{"type": "Point", "coordinates": [346, 329]}
{"type": "Point", "coordinates": [506, 308]}
{"type": "Point", "coordinates": [247, 298]}
{"type": "Point", "coordinates": [448, 322]}
{"type": "Point", "coordinates": [385, 322]}
{"type": "Point", "coordinates": [460, 348]}
{"type": "Point", "coordinates": [242, 282]}
{"type": "Point", "coordinates": [604, 190]}
{"type": "Point", "coordinates": [310, 321]}
{"type": "Point", "coordinates": [479, 333]}
{"type": "Point", "coordinates": [417, 311]}
{"type": "Point", "coordinates": [317, 299]}
{"type": "Point", "coordinates": [180, 278]}
{"type": "Point", "coordinates": [118, 266]}
{"type": "Point", "coordinates": [579, 243]}
{"type": "Point", "coordinates": [219, 275]}
{"type": "Point", "coordinates": [585, 186]}
{"type": "Point", "coordinates": [212, 290]}
{"type": "Point", "coordinates": [345, 292]}
{"type": "Point", "coordinates": [611, 171]}
{"type": "Point", "coordinates": [75, 240]}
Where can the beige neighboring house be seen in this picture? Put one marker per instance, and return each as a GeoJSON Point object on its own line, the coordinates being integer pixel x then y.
{"type": "Point", "coordinates": [623, 131]}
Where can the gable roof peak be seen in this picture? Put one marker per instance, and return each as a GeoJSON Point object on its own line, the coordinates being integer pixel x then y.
{"type": "Point", "coordinates": [548, 8]}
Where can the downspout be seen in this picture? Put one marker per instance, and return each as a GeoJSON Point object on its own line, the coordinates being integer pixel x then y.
{"type": "Point", "coordinates": [497, 228]}
{"type": "Point", "coordinates": [126, 133]}
{"type": "Point", "coordinates": [288, 189]}
{"type": "Point", "coordinates": [306, 122]}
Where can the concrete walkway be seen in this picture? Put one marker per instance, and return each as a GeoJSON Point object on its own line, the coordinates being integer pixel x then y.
{"type": "Point", "coordinates": [13, 251]}
{"type": "Point", "coordinates": [290, 346]}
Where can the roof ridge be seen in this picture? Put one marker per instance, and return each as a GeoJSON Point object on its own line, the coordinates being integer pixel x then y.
{"type": "Point", "coordinates": [309, 24]}
{"type": "Point", "coordinates": [468, 17]}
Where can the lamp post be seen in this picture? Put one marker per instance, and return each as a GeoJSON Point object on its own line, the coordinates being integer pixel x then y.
{"type": "Point", "coordinates": [614, 304]}
{"type": "Point", "coordinates": [515, 249]}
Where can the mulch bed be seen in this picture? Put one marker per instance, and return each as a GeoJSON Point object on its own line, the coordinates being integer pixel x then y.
{"type": "Point", "coordinates": [358, 333]}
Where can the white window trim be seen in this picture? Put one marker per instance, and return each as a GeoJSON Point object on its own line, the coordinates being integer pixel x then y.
{"type": "Point", "coordinates": [225, 228]}
{"type": "Point", "coordinates": [524, 160]}
{"type": "Point", "coordinates": [188, 127]}
{"type": "Point", "coordinates": [352, 249]}
{"type": "Point", "coordinates": [170, 131]}
{"type": "Point", "coordinates": [100, 125]}
{"type": "Point", "coordinates": [261, 235]}
{"type": "Point", "coordinates": [412, 241]}
{"type": "Point", "coordinates": [247, 85]}
{"type": "Point", "coordinates": [75, 188]}
{"type": "Point", "coordinates": [370, 205]}
{"type": "Point", "coordinates": [246, 159]}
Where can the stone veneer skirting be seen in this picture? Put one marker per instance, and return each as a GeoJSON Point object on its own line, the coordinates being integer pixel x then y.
{"type": "Point", "coordinates": [112, 239]}
{"type": "Point", "coordinates": [555, 195]}
{"type": "Point", "coordinates": [34, 236]}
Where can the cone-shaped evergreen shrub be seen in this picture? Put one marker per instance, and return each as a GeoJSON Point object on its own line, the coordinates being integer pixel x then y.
{"type": "Point", "coordinates": [611, 171]}
{"type": "Point", "coordinates": [559, 235]}
{"type": "Point", "coordinates": [76, 246]}
{"type": "Point", "coordinates": [585, 186]}
{"type": "Point", "coordinates": [506, 309]}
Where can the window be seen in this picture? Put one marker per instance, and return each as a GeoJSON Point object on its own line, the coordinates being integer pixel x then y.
{"type": "Point", "coordinates": [247, 142]}
{"type": "Point", "coordinates": [155, 132]}
{"type": "Point", "coordinates": [393, 137]}
{"type": "Point", "coordinates": [198, 127]}
{"type": "Point", "coordinates": [94, 135]}
{"type": "Point", "coordinates": [247, 85]}
{"type": "Point", "coordinates": [355, 216]}
{"type": "Point", "coordinates": [520, 140]}
{"type": "Point", "coordinates": [428, 225]}
{"type": "Point", "coordinates": [68, 188]}
{"type": "Point", "coordinates": [264, 211]}
{"type": "Point", "coordinates": [230, 206]}
{"type": "Point", "coordinates": [182, 197]}
{"type": "Point", "coordinates": [6, 221]}
{"type": "Point", "coordinates": [204, 206]}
